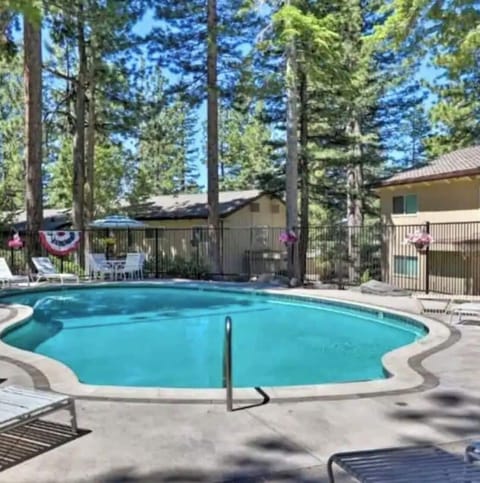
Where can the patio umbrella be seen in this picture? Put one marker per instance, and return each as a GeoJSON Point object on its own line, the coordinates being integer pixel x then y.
{"type": "Point", "coordinates": [116, 222]}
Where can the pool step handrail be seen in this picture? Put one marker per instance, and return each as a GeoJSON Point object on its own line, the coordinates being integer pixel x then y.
{"type": "Point", "coordinates": [227, 363]}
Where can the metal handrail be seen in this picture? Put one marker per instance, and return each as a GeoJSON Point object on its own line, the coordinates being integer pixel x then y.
{"type": "Point", "coordinates": [227, 363]}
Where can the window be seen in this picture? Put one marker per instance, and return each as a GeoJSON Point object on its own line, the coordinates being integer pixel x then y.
{"type": "Point", "coordinates": [150, 233]}
{"type": "Point", "coordinates": [405, 205]}
{"type": "Point", "coordinates": [199, 234]}
{"type": "Point", "coordinates": [254, 207]}
{"type": "Point", "coordinates": [275, 208]}
{"type": "Point", "coordinates": [407, 266]}
{"type": "Point", "coordinates": [260, 236]}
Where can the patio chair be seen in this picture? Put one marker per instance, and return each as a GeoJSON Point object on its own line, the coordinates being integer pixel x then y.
{"type": "Point", "coordinates": [422, 464]}
{"type": "Point", "coordinates": [442, 303]}
{"type": "Point", "coordinates": [141, 264]}
{"type": "Point", "coordinates": [131, 266]}
{"type": "Point", "coordinates": [19, 406]}
{"type": "Point", "coordinates": [98, 266]}
{"type": "Point", "coordinates": [6, 276]}
{"type": "Point", "coordinates": [46, 271]}
{"type": "Point", "coordinates": [461, 310]}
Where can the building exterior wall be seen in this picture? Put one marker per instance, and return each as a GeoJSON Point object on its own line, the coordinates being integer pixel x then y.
{"type": "Point", "coordinates": [445, 201]}
{"type": "Point", "coordinates": [244, 233]}
{"type": "Point", "coordinates": [452, 265]}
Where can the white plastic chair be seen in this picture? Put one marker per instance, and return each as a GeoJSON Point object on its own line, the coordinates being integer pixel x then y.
{"type": "Point", "coordinates": [98, 266]}
{"type": "Point", "coordinates": [6, 276]}
{"type": "Point", "coordinates": [141, 264]}
{"type": "Point", "coordinates": [47, 271]}
{"type": "Point", "coordinates": [131, 266]}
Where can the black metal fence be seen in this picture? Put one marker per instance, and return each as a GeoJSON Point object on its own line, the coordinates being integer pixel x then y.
{"type": "Point", "coordinates": [335, 254]}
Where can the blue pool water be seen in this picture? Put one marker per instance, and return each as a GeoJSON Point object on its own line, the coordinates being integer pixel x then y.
{"type": "Point", "coordinates": [173, 337]}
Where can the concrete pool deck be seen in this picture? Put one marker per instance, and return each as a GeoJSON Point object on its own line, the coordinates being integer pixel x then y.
{"type": "Point", "coordinates": [157, 442]}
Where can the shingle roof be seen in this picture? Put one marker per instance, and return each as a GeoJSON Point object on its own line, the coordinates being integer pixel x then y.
{"type": "Point", "coordinates": [191, 205]}
{"type": "Point", "coordinates": [53, 219]}
{"type": "Point", "coordinates": [463, 162]}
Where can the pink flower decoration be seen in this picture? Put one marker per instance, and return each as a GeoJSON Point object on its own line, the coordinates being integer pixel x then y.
{"type": "Point", "coordinates": [420, 239]}
{"type": "Point", "coordinates": [16, 242]}
{"type": "Point", "coordinates": [288, 237]}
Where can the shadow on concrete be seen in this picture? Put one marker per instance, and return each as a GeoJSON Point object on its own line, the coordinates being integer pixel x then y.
{"type": "Point", "coordinates": [262, 460]}
{"type": "Point", "coordinates": [24, 442]}
{"type": "Point", "coordinates": [265, 400]}
{"type": "Point", "coordinates": [454, 414]}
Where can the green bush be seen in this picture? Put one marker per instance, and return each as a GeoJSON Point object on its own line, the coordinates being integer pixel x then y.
{"type": "Point", "coordinates": [178, 267]}
{"type": "Point", "coordinates": [366, 277]}
{"type": "Point", "coordinates": [325, 269]}
{"type": "Point", "coordinates": [69, 266]}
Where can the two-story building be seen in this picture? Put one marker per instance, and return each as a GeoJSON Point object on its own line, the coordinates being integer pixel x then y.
{"type": "Point", "coordinates": [443, 198]}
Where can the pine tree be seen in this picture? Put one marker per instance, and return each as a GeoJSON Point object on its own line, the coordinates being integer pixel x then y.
{"type": "Point", "coordinates": [202, 47]}
{"type": "Point", "coordinates": [165, 152]}
{"type": "Point", "coordinates": [12, 166]}
{"type": "Point", "coordinates": [32, 44]}
{"type": "Point", "coordinates": [245, 152]}
{"type": "Point", "coordinates": [446, 33]}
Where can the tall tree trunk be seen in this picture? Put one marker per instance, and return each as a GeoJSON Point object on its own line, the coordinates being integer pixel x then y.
{"type": "Point", "coordinates": [292, 159]}
{"type": "Point", "coordinates": [212, 137]}
{"type": "Point", "coordinates": [304, 176]}
{"type": "Point", "coordinates": [33, 131]}
{"type": "Point", "coordinates": [78, 189]}
{"type": "Point", "coordinates": [90, 152]}
{"type": "Point", "coordinates": [354, 201]}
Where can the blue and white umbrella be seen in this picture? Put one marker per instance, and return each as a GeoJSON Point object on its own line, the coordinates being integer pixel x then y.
{"type": "Point", "coordinates": [116, 222]}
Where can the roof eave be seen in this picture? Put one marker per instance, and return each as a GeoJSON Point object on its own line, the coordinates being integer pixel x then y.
{"type": "Point", "coordinates": [434, 177]}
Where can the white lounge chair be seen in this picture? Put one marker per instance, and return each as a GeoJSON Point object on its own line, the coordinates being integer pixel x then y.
{"type": "Point", "coordinates": [6, 276]}
{"type": "Point", "coordinates": [19, 406]}
{"type": "Point", "coordinates": [442, 303]}
{"type": "Point", "coordinates": [98, 266]}
{"type": "Point", "coordinates": [46, 271]}
{"type": "Point", "coordinates": [461, 310]}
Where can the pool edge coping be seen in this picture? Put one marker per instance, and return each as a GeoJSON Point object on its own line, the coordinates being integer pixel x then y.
{"type": "Point", "coordinates": [404, 364]}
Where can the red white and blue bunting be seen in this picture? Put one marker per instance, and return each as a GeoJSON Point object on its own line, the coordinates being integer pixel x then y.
{"type": "Point", "coordinates": [60, 243]}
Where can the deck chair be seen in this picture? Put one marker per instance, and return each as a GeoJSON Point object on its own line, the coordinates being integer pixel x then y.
{"type": "Point", "coordinates": [98, 266]}
{"type": "Point", "coordinates": [423, 464]}
{"type": "Point", "coordinates": [443, 303]}
{"type": "Point", "coordinates": [19, 406]}
{"type": "Point", "coordinates": [46, 271]}
{"type": "Point", "coordinates": [461, 310]}
{"type": "Point", "coordinates": [6, 276]}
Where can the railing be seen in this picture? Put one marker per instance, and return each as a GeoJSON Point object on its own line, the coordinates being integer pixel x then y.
{"type": "Point", "coordinates": [227, 363]}
{"type": "Point", "coordinates": [336, 254]}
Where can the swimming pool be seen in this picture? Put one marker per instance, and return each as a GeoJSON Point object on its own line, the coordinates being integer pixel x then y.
{"type": "Point", "coordinates": [168, 336]}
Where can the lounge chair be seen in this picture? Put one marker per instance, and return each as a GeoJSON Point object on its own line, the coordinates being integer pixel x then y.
{"type": "Point", "coordinates": [442, 303]}
{"type": "Point", "coordinates": [19, 406]}
{"type": "Point", "coordinates": [46, 271]}
{"type": "Point", "coordinates": [423, 464]}
{"type": "Point", "coordinates": [471, 308]}
{"type": "Point", "coordinates": [98, 266]}
{"type": "Point", "coordinates": [6, 276]}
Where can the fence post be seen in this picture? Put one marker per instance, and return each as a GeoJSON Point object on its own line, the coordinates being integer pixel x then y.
{"type": "Point", "coordinates": [156, 253]}
{"type": "Point", "coordinates": [427, 261]}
